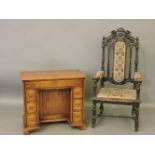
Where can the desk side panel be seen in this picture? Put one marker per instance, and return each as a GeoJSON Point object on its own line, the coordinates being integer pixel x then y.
{"type": "Point", "coordinates": [31, 118]}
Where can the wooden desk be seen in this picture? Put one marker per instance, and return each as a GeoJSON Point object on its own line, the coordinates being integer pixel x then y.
{"type": "Point", "coordinates": [52, 97]}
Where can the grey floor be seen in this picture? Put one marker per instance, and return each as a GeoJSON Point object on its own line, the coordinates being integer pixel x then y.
{"type": "Point", "coordinates": [11, 122]}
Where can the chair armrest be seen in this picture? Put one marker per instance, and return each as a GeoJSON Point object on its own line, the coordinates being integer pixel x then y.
{"type": "Point", "coordinates": [137, 77]}
{"type": "Point", "coordinates": [99, 75]}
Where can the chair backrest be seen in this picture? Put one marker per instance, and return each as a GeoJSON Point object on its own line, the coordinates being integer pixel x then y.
{"type": "Point", "coordinates": [120, 56]}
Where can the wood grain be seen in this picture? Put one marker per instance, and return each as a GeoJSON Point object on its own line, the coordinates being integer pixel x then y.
{"type": "Point", "coordinates": [54, 102]}
{"type": "Point", "coordinates": [52, 97]}
{"type": "Point", "coordinates": [51, 75]}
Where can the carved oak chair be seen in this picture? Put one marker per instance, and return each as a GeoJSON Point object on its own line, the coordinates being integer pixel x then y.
{"type": "Point", "coordinates": [119, 67]}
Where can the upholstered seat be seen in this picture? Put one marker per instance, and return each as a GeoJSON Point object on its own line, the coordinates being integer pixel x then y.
{"type": "Point", "coordinates": [117, 94]}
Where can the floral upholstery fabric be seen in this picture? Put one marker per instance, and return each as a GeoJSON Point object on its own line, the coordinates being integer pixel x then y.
{"type": "Point", "coordinates": [137, 76]}
{"type": "Point", "coordinates": [119, 61]}
{"type": "Point", "coordinates": [117, 93]}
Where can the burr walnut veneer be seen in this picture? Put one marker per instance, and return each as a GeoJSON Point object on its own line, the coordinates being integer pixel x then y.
{"type": "Point", "coordinates": [52, 97]}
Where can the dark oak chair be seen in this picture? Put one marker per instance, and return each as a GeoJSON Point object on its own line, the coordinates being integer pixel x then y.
{"type": "Point", "coordinates": [119, 67]}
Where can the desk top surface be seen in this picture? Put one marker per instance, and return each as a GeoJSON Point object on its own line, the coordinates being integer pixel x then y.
{"type": "Point", "coordinates": [51, 75]}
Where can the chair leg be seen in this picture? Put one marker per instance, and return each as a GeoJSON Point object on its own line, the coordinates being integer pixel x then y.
{"type": "Point", "coordinates": [101, 109]}
{"type": "Point", "coordinates": [132, 111]}
{"type": "Point", "coordinates": [94, 115]}
{"type": "Point", "coordinates": [136, 109]}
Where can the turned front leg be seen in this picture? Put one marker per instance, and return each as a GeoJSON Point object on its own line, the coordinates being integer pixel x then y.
{"type": "Point", "coordinates": [136, 109]}
{"type": "Point", "coordinates": [132, 110]}
{"type": "Point", "coordinates": [94, 115]}
{"type": "Point", "coordinates": [101, 109]}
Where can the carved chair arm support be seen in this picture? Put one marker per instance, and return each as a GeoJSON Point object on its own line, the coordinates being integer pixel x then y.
{"type": "Point", "coordinates": [97, 77]}
{"type": "Point", "coordinates": [137, 82]}
{"type": "Point", "coordinates": [137, 85]}
{"type": "Point", "coordinates": [95, 87]}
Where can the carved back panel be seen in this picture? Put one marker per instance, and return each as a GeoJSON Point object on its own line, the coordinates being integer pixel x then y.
{"type": "Point", "coordinates": [120, 56]}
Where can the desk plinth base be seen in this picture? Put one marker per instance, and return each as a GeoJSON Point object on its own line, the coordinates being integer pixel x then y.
{"type": "Point", "coordinates": [28, 130]}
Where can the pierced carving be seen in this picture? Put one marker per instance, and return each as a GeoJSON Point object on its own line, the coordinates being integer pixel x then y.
{"type": "Point", "coordinates": [120, 33]}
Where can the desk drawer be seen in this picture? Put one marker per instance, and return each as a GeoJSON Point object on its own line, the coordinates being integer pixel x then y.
{"type": "Point", "coordinates": [54, 84]}
{"type": "Point", "coordinates": [30, 95]}
{"type": "Point", "coordinates": [31, 107]}
{"type": "Point", "coordinates": [31, 119]}
{"type": "Point", "coordinates": [77, 104]}
{"type": "Point", "coordinates": [77, 117]}
{"type": "Point", "coordinates": [78, 92]}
